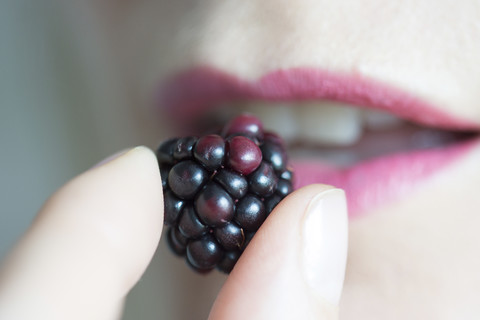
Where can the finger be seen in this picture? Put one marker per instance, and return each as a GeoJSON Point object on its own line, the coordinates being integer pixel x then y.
{"type": "Point", "coordinates": [89, 245]}
{"type": "Point", "coordinates": [294, 266]}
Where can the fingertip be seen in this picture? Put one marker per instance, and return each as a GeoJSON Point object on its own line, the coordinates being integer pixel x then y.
{"type": "Point", "coordinates": [120, 203]}
{"type": "Point", "coordinates": [92, 240]}
{"type": "Point", "coordinates": [137, 158]}
{"type": "Point", "coordinates": [127, 195]}
{"type": "Point", "coordinates": [140, 155]}
{"type": "Point", "coordinates": [269, 280]}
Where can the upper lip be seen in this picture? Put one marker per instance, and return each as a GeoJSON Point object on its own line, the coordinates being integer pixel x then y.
{"type": "Point", "coordinates": [189, 93]}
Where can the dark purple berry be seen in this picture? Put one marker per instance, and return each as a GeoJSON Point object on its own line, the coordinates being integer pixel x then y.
{"type": "Point", "coordinates": [214, 205]}
{"type": "Point", "coordinates": [179, 237]}
{"type": "Point", "coordinates": [230, 236]}
{"type": "Point", "coordinates": [177, 242]}
{"type": "Point", "coordinates": [184, 148]}
{"type": "Point", "coordinates": [190, 225]}
{"type": "Point", "coordinates": [210, 151]}
{"type": "Point", "coordinates": [235, 184]}
{"type": "Point", "coordinates": [287, 175]}
{"type": "Point", "coordinates": [244, 156]}
{"type": "Point", "coordinates": [165, 151]}
{"type": "Point", "coordinates": [248, 238]}
{"type": "Point", "coordinates": [173, 207]}
{"type": "Point", "coordinates": [247, 124]}
{"type": "Point", "coordinates": [263, 181]}
{"type": "Point", "coordinates": [250, 213]}
{"type": "Point", "coordinates": [249, 137]}
{"type": "Point", "coordinates": [284, 188]}
{"type": "Point", "coordinates": [271, 203]}
{"type": "Point", "coordinates": [275, 155]}
{"type": "Point", "coordinates": [164, 170]}
{"type": "Point", "coordinates": [204, 253]}
{"type": "Point", "coordinates": [218, 190]}
{"type": "Point", "coordinates": [228, 261]}
{"type": "Point", "coordinates": [275, 139]}
{"type": "Point", "coordinates": [186, 178]}
{"type": "Point", "coordinates": [197, 270]}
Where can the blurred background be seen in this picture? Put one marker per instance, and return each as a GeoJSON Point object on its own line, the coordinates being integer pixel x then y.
{"type": "Point", "coordinates": [66, 103]}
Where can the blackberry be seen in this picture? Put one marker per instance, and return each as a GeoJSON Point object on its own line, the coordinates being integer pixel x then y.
{"type": "Point", "coordinates": [218, 190]}
{"type": "Point", "coordinates": [214, 205]}
{"type": "Point", "coordinates": [244, 156]}
{"type": "Point", "coordinates": [250, 213]}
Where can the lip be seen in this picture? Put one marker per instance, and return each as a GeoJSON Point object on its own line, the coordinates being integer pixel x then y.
{"type": "Point", "coordinates": [373, 183]}
{"type": "Point", "coordinates": [368, 184]}
{"type": "Point", "coordinates": [191, 92]}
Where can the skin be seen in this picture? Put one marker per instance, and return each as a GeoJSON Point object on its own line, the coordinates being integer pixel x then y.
{"type": "Point", "coordinates": [94, 238]}
{"type": "Point", "coordinates": [429, 49]}
{"type": "Point", "coordinates": [412, 257]}
{"type": "Point", "coordinates": [415, 258]}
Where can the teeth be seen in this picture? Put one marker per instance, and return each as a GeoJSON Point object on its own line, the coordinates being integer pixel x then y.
{"type": "Point", "coordinates": [378, 120]}
{"type": "Point", "coordinates": [329, 123]}
{"type": "Point", "coordinates": [278, 117]}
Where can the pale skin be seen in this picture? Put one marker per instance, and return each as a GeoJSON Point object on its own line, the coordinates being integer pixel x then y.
{"type": "Point", "coordinates": [94, 238]}
{"type": "Point", "coordinates": [416, 257]}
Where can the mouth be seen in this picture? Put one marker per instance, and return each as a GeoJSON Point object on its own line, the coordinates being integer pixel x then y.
{"type": "Point", "coordinates": [374, 141]}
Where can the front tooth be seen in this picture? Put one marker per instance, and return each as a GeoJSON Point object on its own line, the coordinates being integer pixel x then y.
{"type": "Point", "coordinates": [278, 117]}
{"type": "Point", "coordinates": [329, 123]}
{"type": "Point", "coordinates": [380, 120]}
{"type": "Point", "coordinates": [217, 116]}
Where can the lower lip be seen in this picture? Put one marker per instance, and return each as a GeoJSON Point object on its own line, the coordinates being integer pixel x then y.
{"type": "Point", "coordinates": [372, 184]}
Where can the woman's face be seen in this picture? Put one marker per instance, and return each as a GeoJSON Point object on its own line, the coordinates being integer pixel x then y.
{"type": "Point", "coordinates": [414, 239]}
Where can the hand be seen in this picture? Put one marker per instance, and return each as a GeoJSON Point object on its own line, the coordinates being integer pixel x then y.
{"type": "Point", "coordinates": [94, 238]}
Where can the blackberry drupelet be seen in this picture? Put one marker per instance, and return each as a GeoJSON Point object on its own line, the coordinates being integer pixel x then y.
{"type": "Point", "coordinates": [218, 190]}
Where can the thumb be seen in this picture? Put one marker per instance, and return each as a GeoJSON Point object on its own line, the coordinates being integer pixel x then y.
{"type": "Point", "coordinates": [294, 266]}
{"type": "Point", "coordinates": [89, 244]}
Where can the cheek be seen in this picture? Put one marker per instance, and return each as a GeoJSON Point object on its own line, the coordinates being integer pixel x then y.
{"type": "Point", "coordinates": [421, 253]}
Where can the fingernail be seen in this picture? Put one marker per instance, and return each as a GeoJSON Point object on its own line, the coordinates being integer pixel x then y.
{"type": "Point", "coordinates": [325, 241]}
{"type": "Point", "coordinates": [111, 158]}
